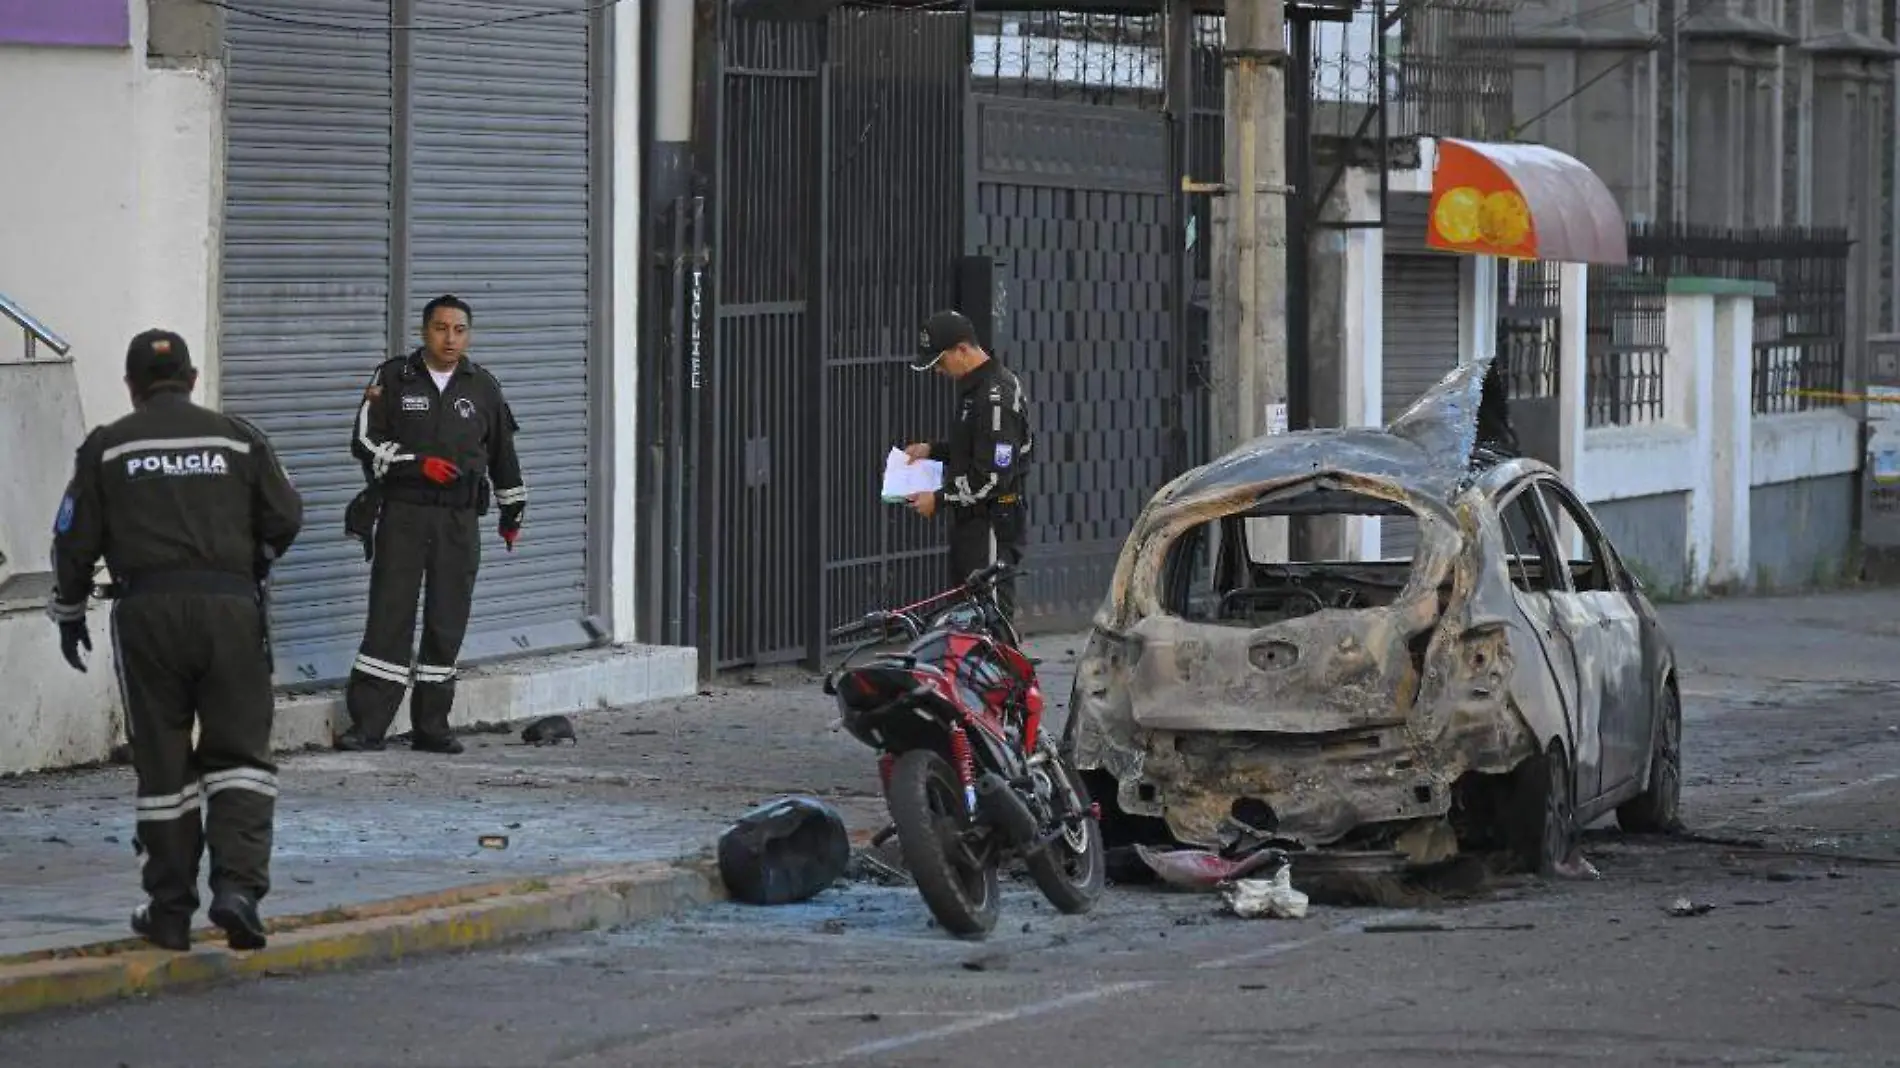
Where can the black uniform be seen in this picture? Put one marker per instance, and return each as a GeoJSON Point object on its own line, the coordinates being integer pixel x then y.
{"type": "Point", "coordinates": [188, 507]}
{"type": "Point", "coordinates": [425, 529]}
{"type": "Point", "coordinates": [983, 463]}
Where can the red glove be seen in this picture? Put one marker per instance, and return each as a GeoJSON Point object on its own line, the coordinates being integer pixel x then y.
{"type": "Point", "coordinates": [439, 471]}
{"type": "Point", "coordinates": [509, 534]}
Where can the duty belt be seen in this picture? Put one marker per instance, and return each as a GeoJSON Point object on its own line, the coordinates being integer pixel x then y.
{"type": "Point", "coordinates": [221, 583]}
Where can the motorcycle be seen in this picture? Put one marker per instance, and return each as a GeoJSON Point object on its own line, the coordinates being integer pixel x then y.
{"type": "Point", "coordinates": [971, 780]}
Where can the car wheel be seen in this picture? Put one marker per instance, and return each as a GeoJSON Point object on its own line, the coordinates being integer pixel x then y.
{"type": "Point", "coordinates": [1657, 810]}
{"type": "Point", "coordinates": [1546, 832]}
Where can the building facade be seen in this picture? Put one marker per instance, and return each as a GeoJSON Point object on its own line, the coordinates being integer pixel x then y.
{"type": "Point", "coordinates": [287, 185]}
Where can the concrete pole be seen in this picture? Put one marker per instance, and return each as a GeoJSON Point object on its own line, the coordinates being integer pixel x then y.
{"type": "Point", "coordinates": [1249, 268]}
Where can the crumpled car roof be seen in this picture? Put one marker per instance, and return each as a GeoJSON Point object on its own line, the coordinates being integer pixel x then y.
{"type": "Point", "coordinates": [1426, 450]}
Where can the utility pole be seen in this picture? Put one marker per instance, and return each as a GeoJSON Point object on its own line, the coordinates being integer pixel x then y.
{"type": "Point", "coordinates": [1249, 268]}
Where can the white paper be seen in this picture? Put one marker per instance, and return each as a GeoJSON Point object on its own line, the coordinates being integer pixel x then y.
{"type": "Point", "coordinates": [903, 478]}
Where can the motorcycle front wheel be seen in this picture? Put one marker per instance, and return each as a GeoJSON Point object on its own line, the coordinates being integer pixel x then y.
{"type": "Point", "coordinates": [1072, 870]}
{"type": "Point", "coordinates": [963, 892]}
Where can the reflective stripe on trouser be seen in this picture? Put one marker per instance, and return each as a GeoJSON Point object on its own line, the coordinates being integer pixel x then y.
{"type": "Point", "coordinates": [983, 536]}
{"type": "Point", "coordinates": [419, 549]}
{"type": "Point", "coordinates": [185, 658]}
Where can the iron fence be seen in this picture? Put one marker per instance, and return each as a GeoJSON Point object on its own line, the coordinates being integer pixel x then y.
{"type": "Point", "coordinates": [1530, 319]}
{"type": "Point", "coordinates": [1625, 347]}
{"type": "Point", "coordinates": [1115, 60]}
{"type": "Point", "coordinates": [1800, 350]}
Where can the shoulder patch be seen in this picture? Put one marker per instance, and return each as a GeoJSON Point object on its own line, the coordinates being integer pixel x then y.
{"type": "Point", "coordinates": [64, 521]}
{"type": "Point", "coordinates": [1005, 454]}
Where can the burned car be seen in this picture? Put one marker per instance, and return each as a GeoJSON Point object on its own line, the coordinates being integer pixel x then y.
{"type": "Point", "coordinates": [1505, 686]}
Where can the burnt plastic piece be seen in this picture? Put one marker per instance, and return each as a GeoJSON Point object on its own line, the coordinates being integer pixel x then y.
{"type": "Point", "coordinates": [785, 851]}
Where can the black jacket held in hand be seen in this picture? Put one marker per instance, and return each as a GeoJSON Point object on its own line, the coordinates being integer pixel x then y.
{"type": "Point", "coordinates": [171, 487]}
{"type": "Point", "coordinates": [404, 419]}
{"type": "Point", "coordinates": [990, 442]}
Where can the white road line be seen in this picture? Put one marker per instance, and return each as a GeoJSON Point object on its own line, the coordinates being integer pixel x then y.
{"type": "Point", "coordinates": [1083, 997]}
{"type": "Point", "coordinates": [1830, 791]}
{"type": "Point", "coordinates": [887, 1045]}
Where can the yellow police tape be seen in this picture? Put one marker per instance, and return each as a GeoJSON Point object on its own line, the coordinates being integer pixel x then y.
{"type": "Point", "coordinates": [1828, 394]}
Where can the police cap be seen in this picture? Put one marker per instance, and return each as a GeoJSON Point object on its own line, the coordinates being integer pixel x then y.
{"type": "Point", "coordinates": [157, 356]}
{"type": "Point", "coordinates": [942, 332]}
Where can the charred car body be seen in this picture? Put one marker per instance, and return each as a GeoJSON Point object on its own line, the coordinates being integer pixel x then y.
{"type": "Point", "coordinates": [1506, 686]}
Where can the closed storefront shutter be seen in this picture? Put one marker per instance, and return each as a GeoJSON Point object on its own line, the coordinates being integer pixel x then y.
{"type": "Point", "coordinates": [499, 207]}
{"type": "Point", "coordinates": [321, 231]}
{"type": "Point", "coordinates": [1421, 334]}
{"type": "Point", "coordinates": [306, 279]}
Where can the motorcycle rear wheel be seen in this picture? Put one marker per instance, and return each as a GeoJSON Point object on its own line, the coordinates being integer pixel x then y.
{"type": "Point", "coordinates": [1073, 869]}
{"type": "Point", "coordinates": [926, 803]}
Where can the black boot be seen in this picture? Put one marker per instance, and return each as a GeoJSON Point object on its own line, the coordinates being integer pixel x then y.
{"type": "Point", "coordinates": [236, 913]}
{"type": "Point", "coordinates": [447, 743]}
{"type": "Point", "coordinates": [352, 741]}
{"type": "Point", "coordinates": [166, 930]}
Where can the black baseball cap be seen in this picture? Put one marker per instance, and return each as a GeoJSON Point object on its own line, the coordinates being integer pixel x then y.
{"type": "Point", "coordinates": [942, 332]}
{"type": "Point", "coordinates": [157, 356]}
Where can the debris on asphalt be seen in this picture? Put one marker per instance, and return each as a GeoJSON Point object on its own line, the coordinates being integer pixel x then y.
{"type": "Point", "coordinates": [549, 730]}
{"type": "Point", "coordinates": [493, 841]}
{"type": "Point", "coordinates": [867, 867]}
{"type": "Point", "coordinates": [1199, 869]}
{"type": "Point", "coordinates": [1682, 906]}
{"type": "Point", "coordinates": [785, 851]}
{"type": "Point", "coordinates": [832, 926]}
{"type": "Point", "coordinates": [1271, 897]}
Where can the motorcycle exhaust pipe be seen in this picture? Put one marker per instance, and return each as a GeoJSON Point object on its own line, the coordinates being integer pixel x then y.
{"type": "Point", "coordinates": [1004, 809]}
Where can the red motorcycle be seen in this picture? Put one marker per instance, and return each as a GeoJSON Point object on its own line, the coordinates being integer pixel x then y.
{"type": "Point", "coordinates": [970, 778]}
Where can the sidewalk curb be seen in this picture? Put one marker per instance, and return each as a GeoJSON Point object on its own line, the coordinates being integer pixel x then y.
{"type": "Point", "coordinates": [466, 918]}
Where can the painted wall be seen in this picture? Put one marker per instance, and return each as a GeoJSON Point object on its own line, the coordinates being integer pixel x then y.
{"type": "Point", "coordinates": [109, 202]}
{"type": "Point", "coordinates": [109, 209]}
{"type": "Point", "coordinates": [1803, 531]}
{"type": "Point", "coordinates": [1649, 534]}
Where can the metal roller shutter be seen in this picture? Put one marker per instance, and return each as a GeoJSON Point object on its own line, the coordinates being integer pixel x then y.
{"type": "Point", "coordinates": [499, 184]}
{"type": "Point", "coordinates": [1421, 345]}
{"type": "Point", "coordinates": [306, 287]}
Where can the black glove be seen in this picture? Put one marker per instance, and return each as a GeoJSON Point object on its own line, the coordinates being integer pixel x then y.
{"type": "Point", "coordinates": [511, 523]}
{"type": "Point", "coordinates": [71, 637]}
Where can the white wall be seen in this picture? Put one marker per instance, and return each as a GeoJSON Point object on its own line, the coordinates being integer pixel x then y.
{"type": "Point", "coordinates": [109, 203]}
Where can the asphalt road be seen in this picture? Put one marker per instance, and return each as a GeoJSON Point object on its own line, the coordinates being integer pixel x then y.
{"type": "Point", "coordinates": [1796, 963]}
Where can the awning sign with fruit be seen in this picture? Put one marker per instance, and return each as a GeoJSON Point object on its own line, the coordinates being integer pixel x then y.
{"type": "Point", "coordinates": [1522, 202]}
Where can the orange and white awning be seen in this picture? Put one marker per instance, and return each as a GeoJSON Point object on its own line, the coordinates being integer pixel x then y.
{"type": "Point", "coordinates": [1526, 202]}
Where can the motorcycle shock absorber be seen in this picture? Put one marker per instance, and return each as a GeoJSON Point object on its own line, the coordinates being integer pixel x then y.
{"type": "Point", "coordinates": [966, 766]}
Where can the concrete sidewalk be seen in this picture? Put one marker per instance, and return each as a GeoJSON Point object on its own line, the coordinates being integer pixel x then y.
{"type": "Point", "coordinates": [652, 784]}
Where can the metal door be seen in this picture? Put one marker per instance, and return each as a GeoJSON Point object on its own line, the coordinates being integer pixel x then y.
{"type": "Point", "coordinates": [304, 307]}
{"type": "Point", "coordinates": [1421, 332]}
{"type": "Point", "coordinates": [500, 162]}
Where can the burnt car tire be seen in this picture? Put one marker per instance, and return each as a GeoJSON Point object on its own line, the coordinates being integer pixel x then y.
{"type": "Point", "coordinates": [1546, 827]}
{"type": "Point", "coordinates": [1074, 867]}
{"type": "Point", "coordinates": [1658, 809]}
{"type": "Point", "coordinates": [926, 801]}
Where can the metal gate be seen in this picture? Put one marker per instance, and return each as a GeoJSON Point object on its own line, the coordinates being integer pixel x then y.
{"type": "Point", "coordinates": [1422, 296]}
{"type": "Point", "coordinates": [895, 208]}
{"type": "Point", "coordinates": [856, 169]}
{"type": "Point", "coordinates": [1072, 203]}
{"type": "Point", "coordinates": [762, 481]}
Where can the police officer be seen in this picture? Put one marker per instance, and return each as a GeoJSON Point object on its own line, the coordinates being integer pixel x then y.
{"type": "Point", "coordinates": [433, 432]}
{"type": "Point", "coordinates": [984, 456]}
{"type": "Point", "coordinates": [188, 507]}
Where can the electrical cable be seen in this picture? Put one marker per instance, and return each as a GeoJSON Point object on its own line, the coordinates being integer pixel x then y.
{"type": "Point", "coordinates": [1693, 9]}
{"type": "Point", "coordinates": [414, 27]}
